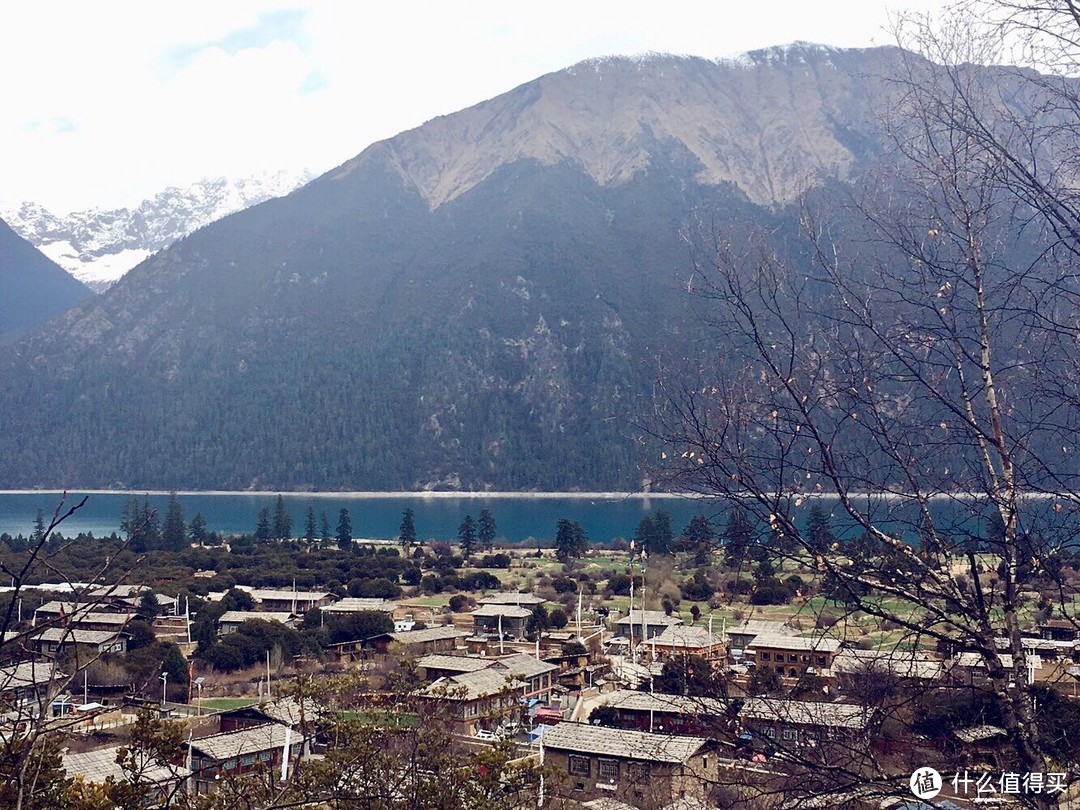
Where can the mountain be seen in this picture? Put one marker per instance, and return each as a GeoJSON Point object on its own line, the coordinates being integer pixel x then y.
{"type": "Point", "coordinates": [483, 302]}
{"type": "Point", "coordinates": [99, 246]}
{"type": "Point", "coordinates": [32, 287]}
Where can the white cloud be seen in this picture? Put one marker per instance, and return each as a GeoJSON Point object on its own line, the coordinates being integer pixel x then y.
{"type": "Point", "coordinates": [104, 103]}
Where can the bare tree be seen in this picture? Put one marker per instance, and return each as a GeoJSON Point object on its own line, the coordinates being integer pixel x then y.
{"type": "Point", "coordinates": [914, 361]}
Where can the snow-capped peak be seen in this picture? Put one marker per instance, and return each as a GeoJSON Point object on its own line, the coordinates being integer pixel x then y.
{"type": "Point", "coordinates": [99, 246]}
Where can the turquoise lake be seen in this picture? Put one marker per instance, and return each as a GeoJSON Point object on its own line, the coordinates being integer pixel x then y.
{"type": "Point", "coordinates": [374, 516]}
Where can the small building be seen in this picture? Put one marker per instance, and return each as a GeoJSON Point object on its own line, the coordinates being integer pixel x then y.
{"type": "Point", "coordinates": [355, 604]}
{"type": "Point", "coordinates": [668, 714]}
{"type": "Point", "coordinates": [536, 676]}
{"type": "Point", "coordinates": [906, 665]}
{"type": "Point", "coordinates": [298, 602]}
{"type": "Point", "coordinates": [510, 620]}
{"type": "Point", "coordinates": [1059, 630]}
{"type": "Point", "coordinates": [86, 615]}
{"type": "Point", "coordinates": [84, 643]}
{"type": "Point", "coordinates": [792, 723]}
{"type": "Point", "coordinates": [231, 620]}
{"type": "Point", "coordinates": [234, 753]}
{"type": "Point", "coordinates": [679, 639]}
{"type": "Point", "coordinates": [740, 636]}
{"type": "Point", "coordinates": [100, 765]}
{"type": "Point", "coordinates": [287, 711]}
{"type": "Point", "coordinates": [629, 765]}
{"type": "Point", "coordinates": [793, 656]}
{"type": "Point", "coordinates": [416, 643]}
{"type": "Point", "coordinates": [484, 700]}
{"type": "Point", "coordinates": [25, 687]}
{"type": "Point", "coordinates": [655, 622]}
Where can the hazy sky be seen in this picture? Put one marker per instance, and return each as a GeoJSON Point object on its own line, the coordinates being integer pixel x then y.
{"type": "Point", "coordinates": [105, 102]}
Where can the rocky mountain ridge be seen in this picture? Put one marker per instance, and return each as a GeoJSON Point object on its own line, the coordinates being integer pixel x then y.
{"type": "Point", "coordinates": [484, 302]}
{"type": "Point", "coordinates": [99, 246]}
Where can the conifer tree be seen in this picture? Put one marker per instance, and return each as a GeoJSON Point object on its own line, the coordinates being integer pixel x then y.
{"type": "Point", "coordinates": [282, 520]}
{"type": "Point", "coordinates": [174, 532]}
{"type": "Point", "coordinates": [467, 536]}
{"type": "Point", "coordinates": [344, 530]}
{"type": "Point", "coordinates": [487, 530]}
{"type": "Point", "coordinates": [407, 532]}
{"type": "Point", "coordinates": [309, 525]}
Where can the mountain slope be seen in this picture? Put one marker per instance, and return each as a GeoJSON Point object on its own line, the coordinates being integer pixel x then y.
{"type": "Point", "coordinates": [98, 246]}
{"type": "Point", "coordinates": [32, 288]}
{"type": "Point", "coordinates": [482, 302]}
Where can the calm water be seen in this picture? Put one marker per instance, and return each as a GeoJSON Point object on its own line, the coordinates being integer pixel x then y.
{"type": "Point", "coordinates": [518, 517]}
{"type": "Point", "coordinates": [605, 517]}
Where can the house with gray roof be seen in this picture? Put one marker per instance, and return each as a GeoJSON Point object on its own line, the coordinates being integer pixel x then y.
{"type": "Point", "coordinates": [629, 765]}
{"type": "Point", "coordinates": [654, 622]}
{"type": "Point", "coordinates": [247, 750]}
{"type": "Point", "coordinates": [511, 620]}
{"type": "Point", "coordinates": [100, 765]}
{"type": "Point", "coordinates": [791, 724]}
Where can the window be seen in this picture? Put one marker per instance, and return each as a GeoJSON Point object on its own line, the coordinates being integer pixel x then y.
{"type": "Point", "coordinates": [821, 661]}
{"type": "Point", "coordinates": [794, 673]}
{"type": "Point", "coordinates": [639, 771]}
{"type": "Point", "coordinates": [609, 769]}
{"type": "Point", "coordinates": [764, 656]}
{"type": "Point", "coordinates": [580, 766]}
{"type": "Point", "coordinates": [790, 734]}
{"type": "Point", "coordinates": [248, 759]}
{"type": "Point", "coordinates": [770, 732]}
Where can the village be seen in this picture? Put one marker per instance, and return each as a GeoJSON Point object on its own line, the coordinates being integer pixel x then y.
{"type": "Point", "coordinates": [591, 674]}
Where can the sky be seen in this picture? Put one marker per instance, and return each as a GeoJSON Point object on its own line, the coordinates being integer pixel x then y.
{"type": "Point", "coordinates": [105, 103]}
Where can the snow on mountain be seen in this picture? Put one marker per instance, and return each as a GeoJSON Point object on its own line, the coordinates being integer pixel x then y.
{"type": "Point", "coordinates": [99, 246]}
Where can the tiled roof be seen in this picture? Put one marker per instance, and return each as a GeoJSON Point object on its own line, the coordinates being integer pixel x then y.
{"type": "Point", "coordinates": [799, 643]}
{"type": "Point", "coordinates": [472, 685]}
{"type": "Point", "coordinates": [805, 713]}
{"type": "Point", "coordinates": [69, 635]}
{"type": "Point", "coordinates": [427, 634]}
{"type": "Point", "coordinates": [506, 611]}
{"type": "Point", "coordinates": [638, 745]}
{"type": "Point", "coordinates": [632, 700]}
{"type": "Point", "coordinates": [98, 765]}
{"type": "Point", "coordinates": [901, 663]}
{"type": "Point", "coordinates": [245, 741]}
{"type": "Point", "coordinates": [679, 635]}
{"type": "Point", "coordinates": [28, 673]}
{"type": "Point", "coordinates": [754, 627]}
{"type": "Point", "coordinates": [81, 610]}
{"type": "Point", "coordinates": [652, 617]}
{"type": "Point", "coordinates": [241, 616]}
{"type": "Point", "coordinates": [355, 604]}
{"type": "Point", "coordinates": [262, 594]}
{"type": "Point", "coordinates": [454, 663]}
{"type": "Point", "coordinates": [521, 664]}
{"type": "Point", "coordinates": [287, 710]}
